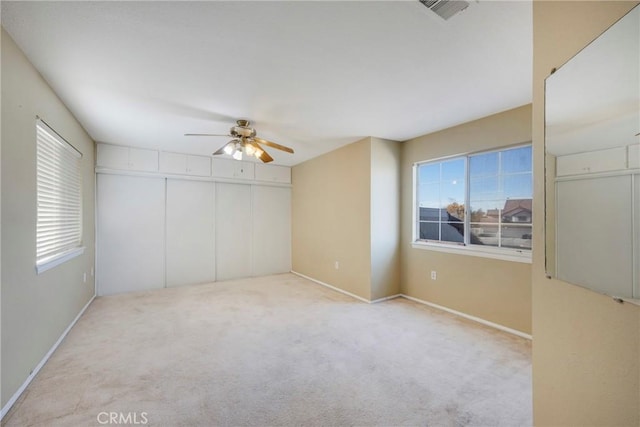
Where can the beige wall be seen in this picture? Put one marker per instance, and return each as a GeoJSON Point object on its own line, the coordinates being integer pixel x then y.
{"type": "Point", "coordinates": [331, 218]}
{"type": "Point", "coordinates": [345, 208]}
{"type": "Point", "coordinates": [385, 218]}
{"type": "Point", "coordinates": [493, 290]}
{"type": "Point", "coordinates": [36, 309]}
{"type": "Point", "coordinates": [586, 351]}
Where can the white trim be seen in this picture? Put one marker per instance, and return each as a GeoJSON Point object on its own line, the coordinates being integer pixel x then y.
{"type": "Point", "coordinates": [514, 255]}
{"type": "Point", "coordinates": [604, 174]}
{"type": "Point", "coordinates": [342, 291]}
{"type": "Point", "coordinates": [331, 287]}
{"type": "Point", "coordinates": [375, 301]}
{"type": "Point", "coordinates": [414, 205]}
{"type": "Point", "coordinates": [108, 171]}
{"type": "Point", "coordinates": [442, 159]}
{"type": "Point", "coordinates": [470, 317]}
{"type": "Point", "coordinates": [501, 253]}
{"type": "Point", "coordinates": [430, 304]}
{"type": "Point", "coordinates": [44, 360]}
{"type": "Point", "coordinates": [59, 259]}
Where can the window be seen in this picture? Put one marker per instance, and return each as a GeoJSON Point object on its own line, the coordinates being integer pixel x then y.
{"type": "Point", "coordinates": [442, 193]}
{"type": "Point", "coordinates": [59, 199]}
{"type": "Point", "coordinates": [480, 201]}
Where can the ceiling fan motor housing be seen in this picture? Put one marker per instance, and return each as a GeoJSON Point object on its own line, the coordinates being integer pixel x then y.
{"type": "Point", "coordinates": [243, 129]}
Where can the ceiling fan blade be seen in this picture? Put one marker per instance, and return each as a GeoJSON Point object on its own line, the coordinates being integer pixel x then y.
{"type": "Point", "coordinates": [265, 157]}
{"type": "Point", "coordinates": [221, 149]}
{"type": "Point", "coordinates": [273, 145]}
{"type": "Point", "coordinates": [206, 134]}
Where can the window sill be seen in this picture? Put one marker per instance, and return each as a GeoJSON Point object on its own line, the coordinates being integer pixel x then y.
{"type": "Point", "coordinates": [59, 259]}
{"type": "Point", "coordinates": [513, 255]}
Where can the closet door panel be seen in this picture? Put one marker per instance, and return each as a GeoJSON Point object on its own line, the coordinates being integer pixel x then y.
{"type": "Point", "coordinates": [594, 236]}
{"type": "Point", "coordinates": [233, 231]}
{"type": "Point", "coordinates": [190, 232]}
{"type": "Point", "coordinates": [130, 249]}
{"type": "Point", "coordinates": [271, 230]}
{"type": "Point", "coordinates": [636, 234]}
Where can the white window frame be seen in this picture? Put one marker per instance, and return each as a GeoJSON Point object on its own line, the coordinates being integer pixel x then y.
{"type": "Point", "coordinates": [59, 196]}
{"type": "Point", "coordinates": [466, 248]}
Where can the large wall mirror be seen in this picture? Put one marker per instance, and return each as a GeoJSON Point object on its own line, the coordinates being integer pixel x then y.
{"type": "Point", "coordinates": [592, 142]}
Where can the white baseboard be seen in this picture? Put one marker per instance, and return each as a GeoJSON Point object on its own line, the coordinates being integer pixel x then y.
{"type": "Point", "coordinates": [342, 291]}
{"type": "Point", "coordinates": [385, 298]}
{"type": "Point", "coordinates": [331, 287]}
{"type": "Point", "coordinates": [46, 357]}
{"type": "Point", "coordinates": [470, 317]}
{"type": "Point", "coordinates": [430, 304]}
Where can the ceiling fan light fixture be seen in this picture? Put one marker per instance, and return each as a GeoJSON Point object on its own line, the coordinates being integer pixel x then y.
{"type": "Point", "coordinates": [244, 141]}
{"type": "Point", "coordinates": [229, 148]}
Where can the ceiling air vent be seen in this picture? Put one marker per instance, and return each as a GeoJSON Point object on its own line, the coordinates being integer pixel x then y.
{"type": "Point", "coordinates": [445, 9]}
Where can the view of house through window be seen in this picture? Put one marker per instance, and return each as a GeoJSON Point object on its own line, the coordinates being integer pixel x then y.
{"type": "Point", "coordinates": [442, 199]}
{"type": "Point", "coordinates": [480, 199]}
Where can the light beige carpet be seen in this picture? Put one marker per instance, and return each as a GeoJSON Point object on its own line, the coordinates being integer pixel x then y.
{"type": "Point", "coordinates": [277, 351]}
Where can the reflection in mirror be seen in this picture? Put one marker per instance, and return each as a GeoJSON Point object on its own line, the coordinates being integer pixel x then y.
{"type": "Point", "coordinates": [593, 164]}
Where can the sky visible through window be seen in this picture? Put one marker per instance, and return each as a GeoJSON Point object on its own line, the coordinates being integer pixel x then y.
{"type": "Point", "coordinates": [494, 177]}
{"type": "Point", "coordinates": [479, 199]}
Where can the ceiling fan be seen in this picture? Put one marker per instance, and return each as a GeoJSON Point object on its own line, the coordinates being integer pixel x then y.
{"type": "Point", "coordinates": [246, 142]}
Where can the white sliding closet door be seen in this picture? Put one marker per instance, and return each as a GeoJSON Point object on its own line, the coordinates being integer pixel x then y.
{"type": "Point", "coordinates": [130, 253]}
{"type": "Point", "coordinates": [636, 232]}
{"type": "Point", "coordinates": [190, 232]}
{"type": "Point", "coordinates": [233, 231]}
{"type": "Point", "coordinates": [271, 230]}
{"type": "Point", "coordinates": [594, 236]}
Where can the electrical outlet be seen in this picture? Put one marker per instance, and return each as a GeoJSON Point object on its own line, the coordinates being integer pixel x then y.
{"type": "Point", "coordinates": [434, 275]}
{"type": "Point", "coordinates": [337, 265]}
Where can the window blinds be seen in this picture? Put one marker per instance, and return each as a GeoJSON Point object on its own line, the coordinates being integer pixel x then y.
{"type": "Point", "coordinates": [59, 196]}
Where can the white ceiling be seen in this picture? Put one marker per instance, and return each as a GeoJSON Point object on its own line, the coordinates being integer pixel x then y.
{"type": "Point", "coordinates": [313, 75]}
